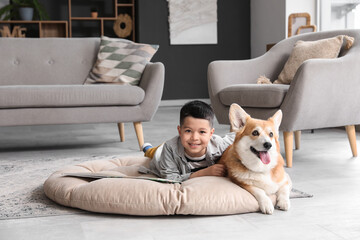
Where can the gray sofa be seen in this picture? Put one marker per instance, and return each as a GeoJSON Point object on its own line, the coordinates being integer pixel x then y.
{"type": "Point", "coordinates": [41, 82]}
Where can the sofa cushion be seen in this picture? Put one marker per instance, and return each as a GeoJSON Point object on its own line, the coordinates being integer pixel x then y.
{"type": "Point", "coordinates": [46, 61]}
{"type": "Point", "coordinates": [34, 96]}
{"type": "Point", "coordinates": [120, 61]}
{"type": "Point", "coordinates": [254, 95]}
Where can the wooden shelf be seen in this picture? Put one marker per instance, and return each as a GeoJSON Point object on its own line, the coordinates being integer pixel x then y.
{"type": "Point", "coordinates": [93, 19]}
{"type": "Point", "coordinates": [120, 7]}
{"type": "Point", "coordinates": [45, 28]}
{"type": "Point", "coordinates": [124, 4]}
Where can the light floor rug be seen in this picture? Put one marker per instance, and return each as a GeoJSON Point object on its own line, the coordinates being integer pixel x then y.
{"type": "Point", "coordinates": [22, 194]}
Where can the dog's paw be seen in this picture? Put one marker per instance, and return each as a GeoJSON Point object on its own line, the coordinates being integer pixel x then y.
{"type": "Point", "coordinates": [266, 206]}
{"type": "Point", "coordinates": [283, 204]}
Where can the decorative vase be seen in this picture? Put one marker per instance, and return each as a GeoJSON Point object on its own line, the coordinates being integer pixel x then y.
{"type": "Point", "coordinates": [26, 13]}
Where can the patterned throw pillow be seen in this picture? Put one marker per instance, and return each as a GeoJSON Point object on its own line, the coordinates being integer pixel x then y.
{"type": "Point", "coordinates": [120, 61]}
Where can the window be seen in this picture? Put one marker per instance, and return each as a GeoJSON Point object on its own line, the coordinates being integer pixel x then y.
{"type": "Point", "coordinates": [339, 14]}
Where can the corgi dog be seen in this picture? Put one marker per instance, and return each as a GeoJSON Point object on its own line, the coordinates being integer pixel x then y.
{"type": "Point", "coordinates": [254, 161]}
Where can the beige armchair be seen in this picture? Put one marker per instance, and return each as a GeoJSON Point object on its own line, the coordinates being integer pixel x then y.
{"type": "Point", "coordinates": [324, 92]}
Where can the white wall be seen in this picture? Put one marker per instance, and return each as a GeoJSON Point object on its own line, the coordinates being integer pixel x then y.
{"type": "Point", "coordinates": [339, 14]}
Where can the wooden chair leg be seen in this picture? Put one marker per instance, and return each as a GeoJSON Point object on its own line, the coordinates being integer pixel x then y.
{"type": "Point", "coordinates": [121, 131]}
{"type": "Point", "coordinates": [297, 139]}
{"type": "Point", "coordinates": [288, 142]}
{"type": "Point", "coordinates": [350, 130]}
{"type": "Point", "coordinates": [139, 134]}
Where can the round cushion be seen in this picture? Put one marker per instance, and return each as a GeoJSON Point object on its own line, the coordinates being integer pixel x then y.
{"type": "Point", "coordinates": [197, 196]}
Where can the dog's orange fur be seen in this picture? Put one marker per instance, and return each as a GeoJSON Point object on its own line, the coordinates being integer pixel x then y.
{"type": "Point", "coordinates": [230, 157]}
{"type": "Point", "coordinates": [233, 161]}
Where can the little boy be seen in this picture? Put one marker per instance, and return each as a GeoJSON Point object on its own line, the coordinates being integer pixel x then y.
{"type": "Point", "coordinates": [195, 151]}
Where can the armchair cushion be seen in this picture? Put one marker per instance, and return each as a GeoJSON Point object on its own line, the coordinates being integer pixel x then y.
{"type": "Point", "coordinates": [254, 95]}
{"type": "Point", "coordinates": [304, 50]}
{"type": "Point", "coordinates": [120, 61]}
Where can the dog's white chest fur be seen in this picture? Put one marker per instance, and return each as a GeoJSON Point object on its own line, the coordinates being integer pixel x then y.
{"type": "Point", "coordinates": [260, 180]}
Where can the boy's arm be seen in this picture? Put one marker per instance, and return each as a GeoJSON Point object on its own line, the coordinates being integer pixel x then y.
{"type": "Point", "coordinates": [229, 139]}
{"type": "Point", "coordinates": [217, 170]}
{"type": "Point", "coordinates": [167, 166]}
{"type": "Point", "coordinates": [222, 143]}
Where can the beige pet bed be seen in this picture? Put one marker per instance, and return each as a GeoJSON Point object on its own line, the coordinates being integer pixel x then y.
{"type": "Point", "coordinates": [198, 196]}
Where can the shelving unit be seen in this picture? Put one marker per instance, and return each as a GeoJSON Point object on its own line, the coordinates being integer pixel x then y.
{"type": "Point", "coordinates": [45, 28]}
{"type": "Point", "coordinates": [120, 7]}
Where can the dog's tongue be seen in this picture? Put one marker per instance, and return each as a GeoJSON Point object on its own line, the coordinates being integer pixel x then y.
{"type": "Point", "coordinates": [265, 157]}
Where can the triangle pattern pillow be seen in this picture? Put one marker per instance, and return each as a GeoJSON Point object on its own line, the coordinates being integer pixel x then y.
{"type": "Point", "coordinates": [120, 61]}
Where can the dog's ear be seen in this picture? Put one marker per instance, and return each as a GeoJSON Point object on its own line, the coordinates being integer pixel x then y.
{"type": "Point", "coordinates": [276, 118]}
{"type": "Point", "coordinates": [237, 117]}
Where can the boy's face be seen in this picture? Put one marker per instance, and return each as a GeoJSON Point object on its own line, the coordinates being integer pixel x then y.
{"type": "Point", "coordinates": [195, 134]}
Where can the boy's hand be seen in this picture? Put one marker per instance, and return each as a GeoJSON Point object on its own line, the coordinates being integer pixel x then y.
{"type": "Point", "coordinates": [218, 170]}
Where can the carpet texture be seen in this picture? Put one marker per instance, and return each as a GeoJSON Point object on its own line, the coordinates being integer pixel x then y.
{"type": "Point", "coordinates": [22, 194]}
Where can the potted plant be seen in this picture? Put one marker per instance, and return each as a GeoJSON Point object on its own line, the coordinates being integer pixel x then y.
{"type": "Point", "coordinates": [17, 8]}
{"type": "Point", "coordinates": [94, 12]}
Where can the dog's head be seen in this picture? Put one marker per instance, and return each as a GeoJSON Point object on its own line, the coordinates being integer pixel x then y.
{"type": "Point", "coordinates": [256, 142]}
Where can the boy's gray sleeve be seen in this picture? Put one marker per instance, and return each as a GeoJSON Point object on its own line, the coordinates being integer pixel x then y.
{"type": "Point", "coordinates": [168, 167]}
{"type": "Point", "coordinates": [229, 139]}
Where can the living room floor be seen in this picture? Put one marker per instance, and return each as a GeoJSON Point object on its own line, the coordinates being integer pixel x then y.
{"type": "Point", "coordinates": [323, 167]}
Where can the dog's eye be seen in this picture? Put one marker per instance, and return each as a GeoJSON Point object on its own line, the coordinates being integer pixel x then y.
{"type": "Point", "coordinates": [271, 134]}
{"type": "Point", "coordinates": [255, 133]}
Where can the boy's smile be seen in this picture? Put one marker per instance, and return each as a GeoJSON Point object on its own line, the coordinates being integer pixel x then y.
{"type": "Point", "coordinates": [195, 134]}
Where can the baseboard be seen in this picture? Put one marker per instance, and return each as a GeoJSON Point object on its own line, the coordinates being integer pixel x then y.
{"type": "Point", "coordinates": [180, 102]}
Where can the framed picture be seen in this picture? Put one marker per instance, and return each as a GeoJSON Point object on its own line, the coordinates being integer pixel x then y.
{"type": "Point", "coordinates": [306, 29]}
{"type": "Point", "coordinates": [192, 22]}
{"type": "Point", "coordinates": [296, 20]}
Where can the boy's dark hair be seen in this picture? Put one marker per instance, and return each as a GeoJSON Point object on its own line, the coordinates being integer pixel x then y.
{"type": "Point", "coordinates": [197, 109]}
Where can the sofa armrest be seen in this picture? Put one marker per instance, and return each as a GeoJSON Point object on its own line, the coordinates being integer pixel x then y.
{"type": "Point", "coordinates": [222, 74]}
{"type": "Point", "coordinates": [152, 81]}
{"type": "Point", "coordinates": [323, 93]}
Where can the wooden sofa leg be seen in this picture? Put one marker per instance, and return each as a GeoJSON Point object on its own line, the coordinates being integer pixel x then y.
{"type": "Point", "coordinates": [288, 142]}
{"type": "Point", "coordinates": [121, 131]}
{"type": "Point", "coordinates": [350, 130]}
{"type": "Point", "coordinates": [139, 134]}
{"type": "Point", "coordinates": [297, 139]}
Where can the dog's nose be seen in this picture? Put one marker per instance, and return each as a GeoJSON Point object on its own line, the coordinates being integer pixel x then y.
{"type": "Point", "coordinates": [267, 145]}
